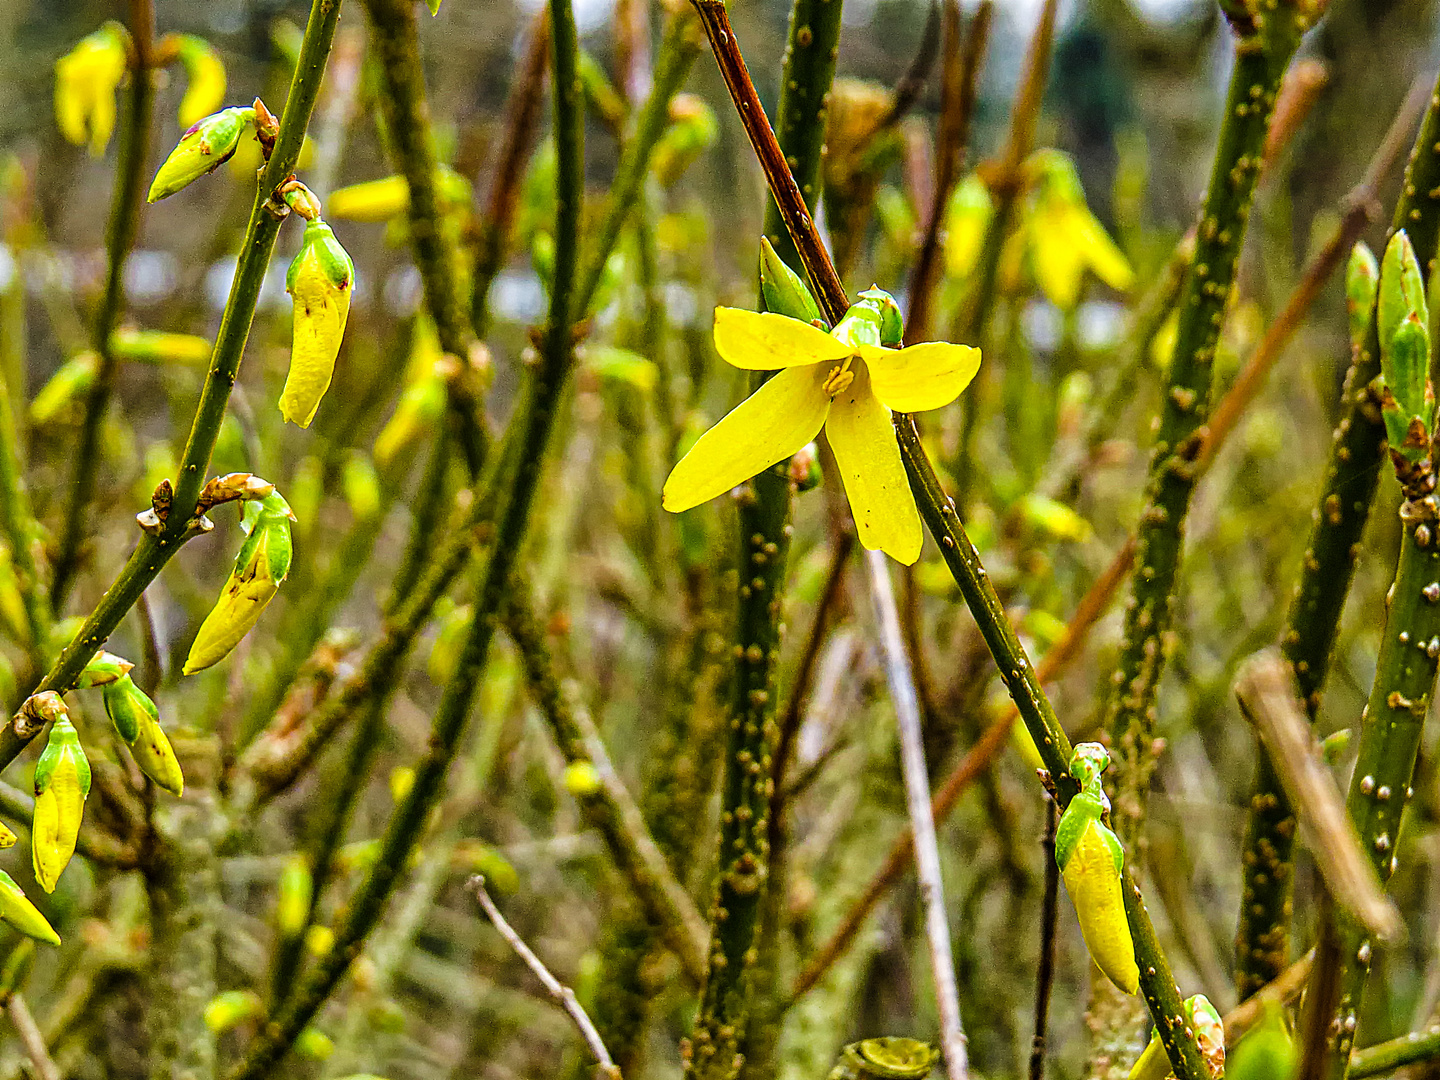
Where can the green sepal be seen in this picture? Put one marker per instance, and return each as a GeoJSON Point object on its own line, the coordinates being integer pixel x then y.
{"type": "Point", "coordinates": [1088, 807]}
{"type": "Point", "coordinates": [892, 323]}
{"type": "Point", "coordinates": [127, 706]}
{"type": "Point", "coordinates": [64, 741]}
{"type": "Point", "coordinates": [1407, 398]}
{"type": "Point", "coordinates": [1362, 277]}
{"type": "Point", "coordinates": [319, 240]}
{"type": "Point", "coordinates": [269, 518]}
{"type": "Point", "coordinates": [1402, 292]}
{"type": "Point", "coordinates": [784, 290]}
{"type": "Point", "coordinates": [103, 669]}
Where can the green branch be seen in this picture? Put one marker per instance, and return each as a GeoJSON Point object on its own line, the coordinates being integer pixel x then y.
{"type": "Point", "coordinates": [153, 552]}
{"type": "Point", "coordinates": [1260, 60]}
{"type": "Point", "coordinates": [125, 210]}
{"type": "Point", "coordinates": [1352, 474]}
{"type": "Point", "coordinates": [739, 987]}
{"type": "Point", "coordinates": [534, 422]}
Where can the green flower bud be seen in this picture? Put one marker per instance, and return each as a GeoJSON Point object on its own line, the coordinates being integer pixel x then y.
{"type": "Point", "coordinates": [62, 784]}
{"type": "Point", "coordinates": [137, 721]}
{"type": "Point", "coordinates": [1402, 291]}
{"type": "Point", "coordinates": [319, 281]}
{"type": "Point", "coordinates": [203, 148]}
{"type": "Point", "coordinates": [1362, 277]}
{"type": "Point", "coordinates": [314, 1044]}
{"type": "Point", "coordinates": [17, 910]}
{"type": "Point", "coordinates": [892, 324]}
{"type": "Point", "coordinates": [232, 1007]}
{"type": "Point", "coordinates": [292, 896]}
{"type": "Point", "coordinates": [261, 565]}
{"type": "Point", "coordinates": [1408, 400]}
{"type": "Point", "coordinates": [784, 290]}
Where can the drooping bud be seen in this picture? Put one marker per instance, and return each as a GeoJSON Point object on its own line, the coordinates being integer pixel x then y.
{"type": "Point", "coordinates": [389, 197]}
{"type": "Point", "coordinates": [62, 784]}
{"type": "Point", "coordinates": [204, 79]}
{"type": "Point", "coordinates": [203, 148]}
{"type": "Point", "coordinates": [319, 282]}
{"type": "Point", "coordinates": [85, 82]}
{"type": "Point", "coordinates": [362, 487]}
{"type": "Point", "coordinates": [17, 910]}
{"type": "Point", "coordinates": [1362, 277]}
{"type": "Point", "coordinates": [260, 567]}
{"type": "Point", "coordinates": [137, 722]}
{"type": "Point", "coordinates": [314, 1044]}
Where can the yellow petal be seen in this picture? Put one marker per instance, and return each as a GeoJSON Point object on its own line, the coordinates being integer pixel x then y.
{"type": "Point", "coordinates": [1094, 888]}
{"type": "Point", "coordinates": [58, 810]}
{"type": "Point", "coordinates": [320, 313]}
{"type": "Point", "coordinates": [921, 377]}
{"type": "Point", "coordinates": [863, 439]}
{"type": "Point", "coordinates": [1100, 252]}
{"type": "Point", "coordinates": [229, 620]}
{"type": "Point", "coordinates": [1055, 257]}
{"type": "Point", "coordinates": [153, 753]}
{"type": "Point", "coordinates": [764, 341]}
{"type": "Point", "coordinates": [205, 89]}
{"type": "Point", "coordinates": [768, 426]}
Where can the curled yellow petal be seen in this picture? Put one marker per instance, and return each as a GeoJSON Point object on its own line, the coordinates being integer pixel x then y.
{"type": "Point", "coordinates": [1094, 888]}
{"type": "Point", "coordinates": [768, 426]}
{"type": "Point", "coordinates": [764, 341]}
{"type": "Point", "coordinates": [921, 377]}
{"type": "Point", "coordinates": [863, 440]}
{"type": "Point", "coordinates": [85, 82]}
{"type": "Point", "coordinates": [1101, 253]}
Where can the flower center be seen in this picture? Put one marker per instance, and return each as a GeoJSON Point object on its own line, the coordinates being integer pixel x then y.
{"type": "Point", "coordinates": [840, 378]}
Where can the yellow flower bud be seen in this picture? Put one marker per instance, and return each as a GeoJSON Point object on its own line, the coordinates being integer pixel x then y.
{"type": "Point", "coordinates": [205, 80]}
{"type": "Point", "coordinates": [319, 282]}
{"type": "Point", "coordinates": [362, 487]}
{"type": "Point", "coordinates": [158, 347]}
{"type": "Point", "coordinates": [8, 839]}
{"type": "Point", "coordinates": [402, 779]}
{"type": "Point", "coordinates": [292, 896]}
{"type": "Point", "coordinates": [17, 910]}
{"type": "Point", "coordinates": [62, 783]}
{"type": "Point", "coordinates": [260, 567]}
{"type": "Point", "coordinates": [152, 751]}
{"type": "Point", "coordinates": [227, 1009]}
{"type": "Point", "coordinates": [202, 149]}
{"type": "Point", "coordinates": [581, 778]}
{"type": "Point", "coordinates": [314, 1044]}
{"type": "Point", "coordinates": [389, 197]}
{"type": "Point", "coordinates": [85, 82]}
{"type": "Point", "coordinates": [70, 381]}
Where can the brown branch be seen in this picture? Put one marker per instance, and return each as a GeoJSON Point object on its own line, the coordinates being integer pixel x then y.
{"type": "Point", "coordinates": [1049, 915]}
{"type": "Point", "coordinates": [958, 93]}
{"type": "Point", "coordinates": [563, 995]}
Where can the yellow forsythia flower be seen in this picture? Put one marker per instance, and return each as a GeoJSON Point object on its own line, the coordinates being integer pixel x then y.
{"type": "Point", "coordinates": [260, 567]}
{"type": "Point", "coordinates": [967, 218]}
{"type": "Point", "coordinates": [85, 82]}
{"type": "Point", "coordinates": [389, 197]}
{"type": "Point", "coordinates": [847, 381]}
{"type": "Point", "coordinates": [1063, 238]}
{"type": "Point", "coordinates": [319, 282]}
{"type": "Point", "coordinates": [422, 402]}
{"type": "Point", "coordinates": [17, 910]}
{"type": "Point", "coordinates": [62, 784]}
{"type": "Point", "coordinates": [205, 80]}
{"type": "Point", "coordinates": [1090, 859]}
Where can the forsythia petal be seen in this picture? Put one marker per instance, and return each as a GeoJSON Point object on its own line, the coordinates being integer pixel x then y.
{"type": "Point", "coordinates": [863, 440]}
{"type": "Point", "coordinates": [85, 82]}
{"type": "Point", "coordinates": [152, 751]}
{"type": "Point", "coordinates": [17, 910]}
{"type": "Point", "coordinates": [319, 282]}
{"type": "Point", "coordinates": [768, 426]}
{"type": "Point", "coordinates": [62, 783]}
{"type": "Point", "coordinates": [1094, 886]}
{"type": "Point", "coordinates": [764, 341]}
{"type": "Point", "coordinates": [205, 80]}
{"type": "Point", "coordinates": [921, 377]}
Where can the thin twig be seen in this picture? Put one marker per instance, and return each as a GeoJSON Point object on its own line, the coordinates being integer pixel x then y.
{"type": "Point", "coordinates": [922, 823]}
{"type": "Point", "coordinates": [31, 1038]}
{"type": "Point", "coordinates": [563, 995]}
{"type": "Point", "coordinates": [908, 90]}
{"type": "Point", "coordinates": [1266, 692]}
{"type": "Point", "coordinates": [1049, 916]}
{"type": "Point", "coordinates": [958, 94]}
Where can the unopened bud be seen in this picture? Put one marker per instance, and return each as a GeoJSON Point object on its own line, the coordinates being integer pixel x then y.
{"type": "Point", "coordinates": [17, 910]}
{"type": "Point", "coordinates": [225, 1010]}
{"type": "Point", "coordinates": [784, 290]}
{"type": "Point", "coordinates": [1362, 277]}
{"type": "Point", "coordinates": [202, 149]}
{"type": "Point", "coordinates": [62, 784]}
{"type": "Point", "coordinates": [319, 282]}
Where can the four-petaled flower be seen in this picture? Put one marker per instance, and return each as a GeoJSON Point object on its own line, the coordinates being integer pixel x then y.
{"type": "Point", "coordinates": [846, 381]}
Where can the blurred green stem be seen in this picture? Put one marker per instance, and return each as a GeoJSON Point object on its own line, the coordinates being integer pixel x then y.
{"type": "Point", "coordinates": [1385, 1058]}
{"type": "Point", "coordinates": [153, 552]}
{"type": "Point", "coordinates": [22, 531]}
{"type": "Point", "coordinates": [125, 208]}
{"type": "Point", "coordinates": [535, 420]}
{"type": "Point", "coordinates": [739, 1017]}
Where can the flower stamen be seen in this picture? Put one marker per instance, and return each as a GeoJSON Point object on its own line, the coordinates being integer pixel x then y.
{"type": "Point", "coordinates": [839, 379]}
